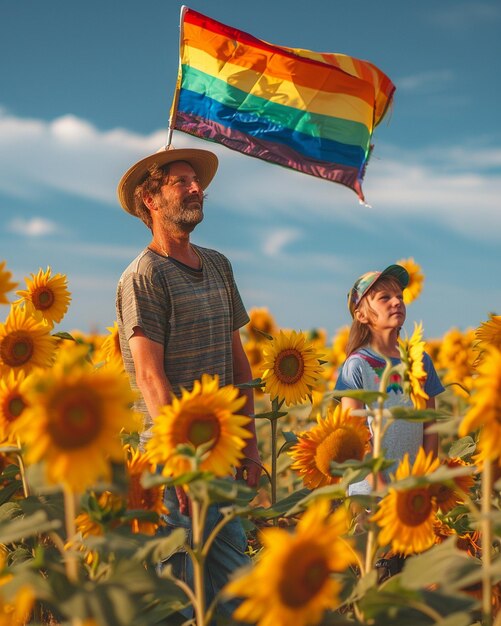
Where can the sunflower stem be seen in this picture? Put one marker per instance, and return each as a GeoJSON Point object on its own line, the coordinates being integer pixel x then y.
{"type": "Point", "coordinates": [198, 517]}
{"type": "Point", "coordinates": [22, 470]}
{"type": "Point", "coordinates": [273, 461]}
{"type": "Point", "coordinates": [377, 427]}
{"type": "Point", "coordinates": [71, 563]}
{"type": "Point", "coordinates": [275, 408]}
{"type": "Point", "coordinates": [486, 543]}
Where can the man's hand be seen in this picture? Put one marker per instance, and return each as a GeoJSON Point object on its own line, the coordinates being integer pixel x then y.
{"type": "Point", "coordinates": [250, 469]}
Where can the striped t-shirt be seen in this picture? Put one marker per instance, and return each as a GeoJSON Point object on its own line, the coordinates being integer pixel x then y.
{"type": "Point", "coordinates": [193, 313]}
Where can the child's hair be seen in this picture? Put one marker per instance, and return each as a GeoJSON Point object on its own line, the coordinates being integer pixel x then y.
{"type": "Point", "coordinates": [360, 332]}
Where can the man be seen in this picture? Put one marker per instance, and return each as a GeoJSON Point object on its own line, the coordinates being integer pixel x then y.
{"type": "Point", "coordinates": [179, 313]}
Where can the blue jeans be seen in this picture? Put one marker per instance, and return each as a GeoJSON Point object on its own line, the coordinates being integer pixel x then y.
{"type": "Point", "coordinates": [227, 552]}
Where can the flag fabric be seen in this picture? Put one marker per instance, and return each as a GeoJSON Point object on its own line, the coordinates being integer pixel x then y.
{"type": "Point", "coordinates": [308, 111]}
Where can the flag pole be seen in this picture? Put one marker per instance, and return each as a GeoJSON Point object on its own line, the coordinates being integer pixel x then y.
{"type": "Point", "coordinates": [173, 109]}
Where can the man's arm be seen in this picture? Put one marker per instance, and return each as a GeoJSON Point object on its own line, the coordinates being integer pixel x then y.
{"type": "Point", "coordinates": [242, 374]}
{"type": "Point", "coordinates": [148, 356]}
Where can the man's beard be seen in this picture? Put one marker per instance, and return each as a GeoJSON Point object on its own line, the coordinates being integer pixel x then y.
{"type": "Point", "coordinates": [185, 214]}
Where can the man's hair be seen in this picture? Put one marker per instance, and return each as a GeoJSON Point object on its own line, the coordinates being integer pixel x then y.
{"type": "Point", "coordinates": [360, 332]}
{"type": "Point", "coordinates": [151, 186]}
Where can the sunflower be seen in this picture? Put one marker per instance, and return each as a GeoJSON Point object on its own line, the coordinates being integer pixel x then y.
{"type": "Point", "coordinates": [201, 416]}
{"type": "Point", "coordinates": [74, 420]}
{"type": "Point", "coordinates": [47, 295]}
{"type": "Point", "coordinates": [447, 497]}
{"type": "Point", "coordinates": [485, 407]}
{"type": "Point", "coordinates": [488, 334]}
{"type": "Point", "coordinates": [432, 347]}
{"type": "Point", "coordinates": [456, 357]}
{"type": "Point", "coordinates": [18, 611]}
{"type": "Point", "coordinates": [140, 498]}
{"type": "Point", "coordinates": [110, 350]}
{"type": "Point", "coordinates": [291, 367]}
{"type": "Point", "coordinates": [13, 401]}
{"type": "Point", "coordinates": [406, 516]}
{"type": "Point", "coordinates": [338, 437]}
{"type": "Point", "coordinates": [103, 515]}
{"type": "Point", "coordinates": [5, 284]}
{"type": "Point", "coordinates": [339, 344]}
{"type": "Point", "coordinates": [293, 581]}
{"type": "Point", "coordinates": [261, 321]}
{"type": "Point", "coordinates": [411, 353]}
{"type": "Point", "coordinates": [416, 279]}
{"type": "Point", "coordinates": [25, 343]}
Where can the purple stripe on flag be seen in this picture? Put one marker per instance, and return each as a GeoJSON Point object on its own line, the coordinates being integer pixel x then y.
{"type": "Point", "coordinates": [268, 151]}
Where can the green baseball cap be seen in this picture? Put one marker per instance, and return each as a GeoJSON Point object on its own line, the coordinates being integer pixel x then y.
{"type": "Point", "coordinates": [367, 280]}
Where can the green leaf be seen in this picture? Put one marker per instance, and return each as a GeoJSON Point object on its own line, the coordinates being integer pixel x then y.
{"type": "Point", "coordinates": [456, 619]}
{"type": "Point", "coordinates": [442, 474]}
{"type": "Point", "coordinates": [149, 480]}
{"type": "Point", "coordinates": [64, 335]}
{"type": "Point", "coordinates": [161, 547]}
{"type": "Point", "coordinates": [373, 464]}
{"type": "Point", "coordinates": [290, 437]}
{"type": "Point", "coordinates": [280, 508]}
{"type": "Point", "coordinates": [252, 384]}
{"type": "Point", "coordinates": [367, 397]}
{"type": "Point", "coordinates": [19, 529]}
{"type": "Point", "coordinates": [229, 490]}
{"type": "Point", "coordinates": [415, 415]}
{"type": "Point", "coordinates": [9, 490]}
{"type": "Point", "coordinates": [462, 447]}
{"type": "Point", "coordinates": [445, 427]}
{"type": "Point", "coordinates": [130, 439]}
{"type": "Point", "coordinates": [443, 564]}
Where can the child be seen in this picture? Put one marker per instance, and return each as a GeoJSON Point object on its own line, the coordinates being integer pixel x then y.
{"type": "Point", "coordinates": [377, 307]}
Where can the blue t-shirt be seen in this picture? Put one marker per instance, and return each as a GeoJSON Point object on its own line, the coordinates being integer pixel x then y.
{"type": "Point", "coordinates": [363, 370]}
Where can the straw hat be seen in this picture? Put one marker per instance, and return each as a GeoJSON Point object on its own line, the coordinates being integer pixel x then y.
{"type": "Point", "coordinates": [203, 162]}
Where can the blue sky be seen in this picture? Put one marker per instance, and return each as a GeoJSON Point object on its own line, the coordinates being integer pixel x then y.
{"type": "Point", "coordinates": [86, 89]}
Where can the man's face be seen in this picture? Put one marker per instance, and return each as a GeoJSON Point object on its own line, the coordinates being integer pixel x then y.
{"type": "Point", "coordinates": [180, 199]}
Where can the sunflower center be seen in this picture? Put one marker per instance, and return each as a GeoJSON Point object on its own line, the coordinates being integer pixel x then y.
{"type": "Point", "coordinates": [414, 506]}
{"type": "Point", "coordinates": [42, 298]}
{"type": "Point", "coordinates": [341, 445]}
{"type": "Point", "coordinates": [76, 418]}
{"type": "Point", "coordinates": [16, 349]}
{"type": "Point", "coordinates": [304, 576]}
{"type": "Point", "coordinates": [289, 366]}
{"type": "Point", "coordinates": [14, 406]}
{"type": "Point", "coordinates": [203, 429]}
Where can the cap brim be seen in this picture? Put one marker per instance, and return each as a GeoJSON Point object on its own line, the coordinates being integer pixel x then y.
{"type": "Point", "coordinates": [204, 163]}
{"type": "Point", "coordinates": [397, 271]}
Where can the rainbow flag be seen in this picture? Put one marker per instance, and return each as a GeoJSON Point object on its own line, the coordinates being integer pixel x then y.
{"type": "Point", "coordinates": [308, 111]}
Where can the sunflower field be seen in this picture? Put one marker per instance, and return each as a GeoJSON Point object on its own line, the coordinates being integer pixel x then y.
{"type": "Point", "coordinates": [82, 505]}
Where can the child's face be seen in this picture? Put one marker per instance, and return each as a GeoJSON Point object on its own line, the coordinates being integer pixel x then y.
{"type": "Point", "coordinates": [386, 308]}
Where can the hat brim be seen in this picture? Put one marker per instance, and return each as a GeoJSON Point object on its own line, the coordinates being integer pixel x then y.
{"type": "Point", "coordinates": [203, 162]}
{"type": "Point", "coordinates": [397, 271]}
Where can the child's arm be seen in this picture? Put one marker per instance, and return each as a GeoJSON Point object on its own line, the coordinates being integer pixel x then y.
{"type": "Point", "coordinates": [430, 440]}
{"type": "Point", "coordinates": [351, 403]}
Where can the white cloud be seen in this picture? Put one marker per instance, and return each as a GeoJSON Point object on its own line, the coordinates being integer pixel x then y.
{"type": "Point", "coordinates": [465, 15]}
{"type": "Point", "coordinates": [275, 242]}
{"type": "Point", "coordinates": [34, 227]}
{"type": "Point", "coordinates": [67, 154]}
{"type": "Point", "coordinates": [459, 186]}
{"type": "Point", "coordinates": [425, 81]}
